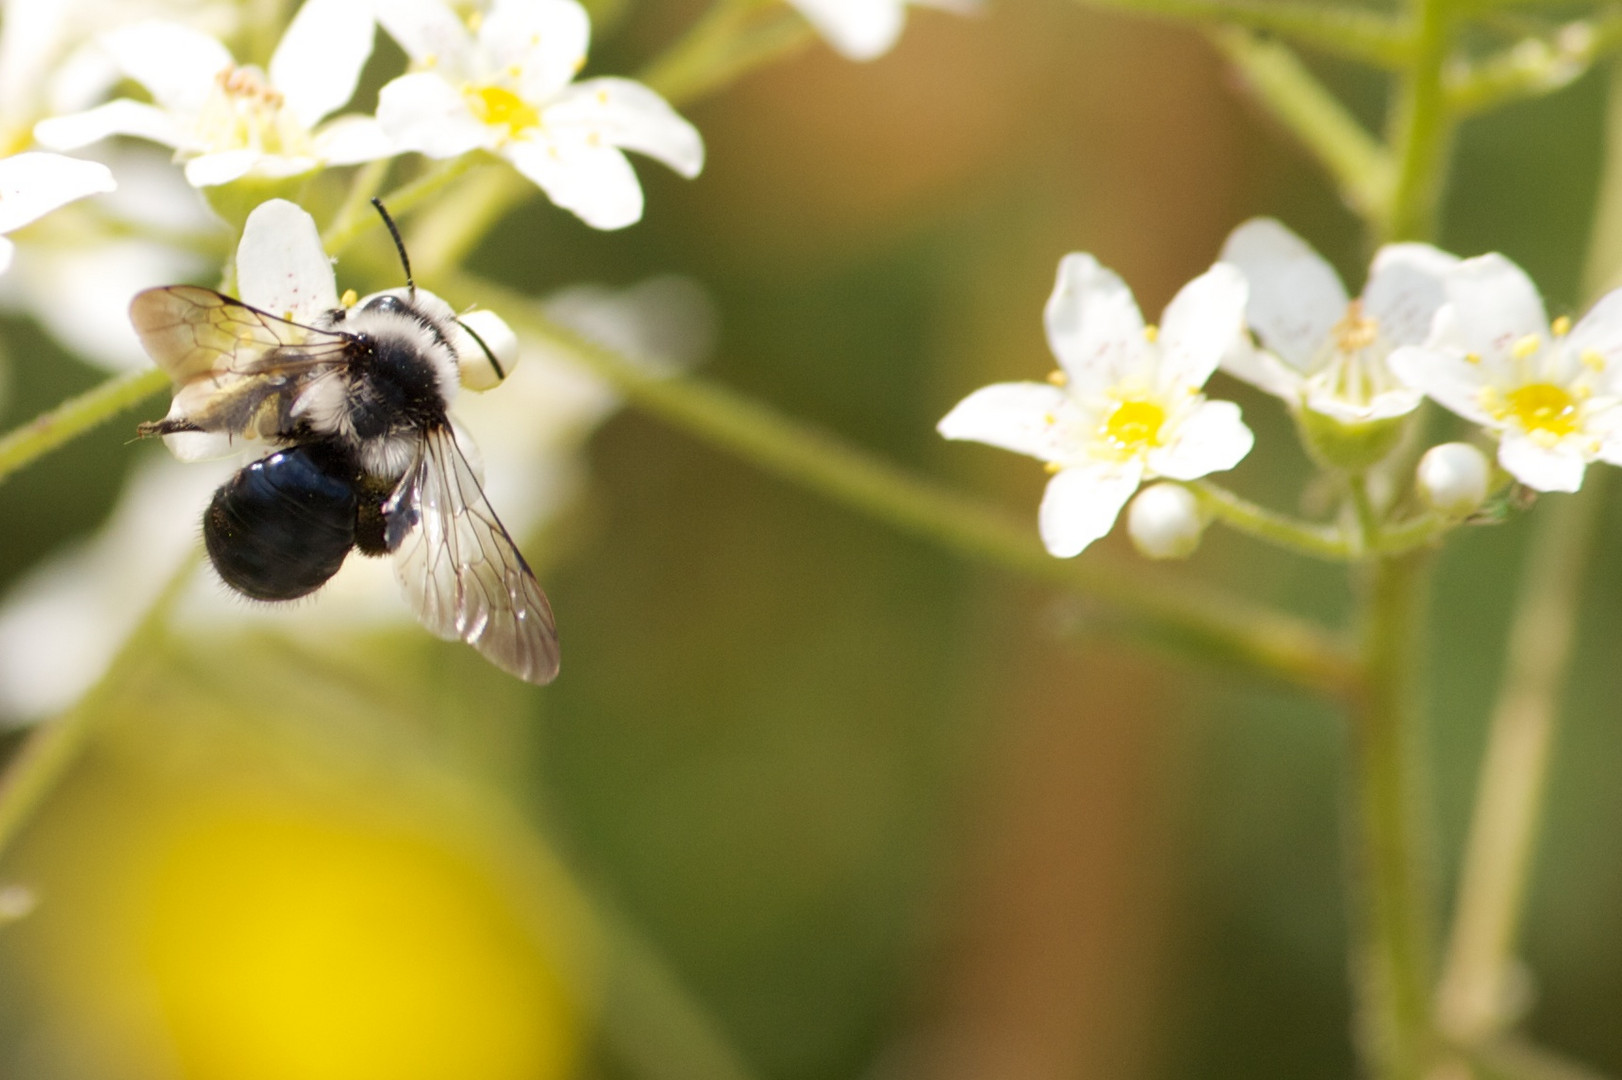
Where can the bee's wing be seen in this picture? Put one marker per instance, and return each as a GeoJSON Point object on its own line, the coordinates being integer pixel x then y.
{"type": "Point", "coordinates": [460, 571]}
{"type": "Point", "coordinates": [236, 369]}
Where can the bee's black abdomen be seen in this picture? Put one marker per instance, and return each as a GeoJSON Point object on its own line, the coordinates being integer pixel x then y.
{"type": "Point", "coordinates": [282, 526]}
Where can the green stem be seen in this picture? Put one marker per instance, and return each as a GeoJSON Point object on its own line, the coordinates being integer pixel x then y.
{"type": "Point", "coordinates": [1352, 33]}
{"type": "Point", "coordinates": [1420, 129]}
{"type": "Point", "coordinates": [1392, 891]}
{"type": "Point", "coordinates": [1208, 624]}
{"type": "Point", "coordinates": [1319, 541]}
{"type": "Point", "coordinates": [1533, 66]}
{"type": "Point", "coordinates": [356, 211]}
{"type": "Point", "coordinates": [1358, 164]}
{"type": "Point", "coordinates": [1474, 999]}
{"type": "Point", "coordinates": [76, 416]}
{"type": "Point", "coordinates": [733, 37]}
{"type": "Point", "coordinates": [443, 235]}
{"type": "Point", "coordinates": [346, 229]}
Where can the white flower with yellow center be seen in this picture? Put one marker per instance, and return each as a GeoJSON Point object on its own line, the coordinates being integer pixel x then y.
{"type": "Point", "coordinates": [1550, 393]}
{"type": "Point", "coordinates": [504, 82]}
{"type": "Point", "coordinates": [228, 121]}
{"type": "Point", "coordinates": [865, 29]}
{"type": "Point", "coordinates": [1126, 405]}
{"type": "Point", "coordinates": [1321, 350]}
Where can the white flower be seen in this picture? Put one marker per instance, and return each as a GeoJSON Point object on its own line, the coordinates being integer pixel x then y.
{"type": "Point", "coordinates": [503, 82]}
{"type": "Point", "coordinates": [865, 29]}
{"type": "Point", "coordinates": [1550, 393]}
{"type": "Point", "coordinates": [1453, 479]}
{"type": "Point", "coordinates": [1126, 406]}
{"type": "Point", "coordinates": [1324, 352]}
{"type": "Point", "coordinates": [34, 184]}
{"type": "Point", "coordinates": [227, 122]}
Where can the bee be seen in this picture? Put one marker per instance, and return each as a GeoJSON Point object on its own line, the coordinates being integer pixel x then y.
{"type": "Point", "coordinates": [355, 404]}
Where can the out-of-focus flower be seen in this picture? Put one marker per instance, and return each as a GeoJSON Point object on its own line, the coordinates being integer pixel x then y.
{"type": "Point", "coordinates": [1126, 405]}
{"type": "Point", "coordinates": [503, 82]}
{"type": "Point", "coordinates": [1550, 393]}
{"type": "Point", "coordinates": [1165, 522]}
{"type": "Point", "coordinates": [1453, 479]}
{"type": "Point", "coordinates": [76, 270]}
{"type": "Point", "coordinates": [34, 184]}
{"type": "Point", "coordinates": [866, 29]}
{"type": "Point", "coordinates": [1325, 354]}
{"type": "Point", "coordinates": [227, 122]}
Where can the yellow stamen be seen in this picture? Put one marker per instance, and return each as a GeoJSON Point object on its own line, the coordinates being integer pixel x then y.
{"type": "Point", "coordinates": [348, 299]}
{"type": "Point", "coordinates": [1151, 333]}
{"type": "Point", "coordinates": [498, 107]}
{"type": "Point", "coordinates": [1527, 346]}
{"type": "Point", "coordinates": [1356, 331]}
{"type": "Point", "coordinates": [1592, 359]}
{"type": "Point", "coordinates": [1058, 378]}
{"type": "Point", "coordinates": [1134, 426]}
{"type": "Point", "coordinates": [1540, 407]}
{"type": "Point", "coordinates": [475, 19]}
{"type": "Point", "coordinates": [1472, 358]}
{"type": "Point", "coordinates": [1561, 326]}
{"type": "Point", "coordinates": [1051, 467]}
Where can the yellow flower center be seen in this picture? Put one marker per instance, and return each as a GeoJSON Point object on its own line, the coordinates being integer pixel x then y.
{"type": "Point", "coordinates": [1356, 331]}
{"type": "Point", "coordinates": [498, 107]}
{"type": "Point", "coordinates": [1134, 426]}
{"type": "Point", "coordinates": [1542, 407]}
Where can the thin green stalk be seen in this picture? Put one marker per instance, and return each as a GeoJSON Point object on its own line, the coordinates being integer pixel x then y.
{"type": "Point", "coordinates": [1392, 894]}
{"type": "Point", "coordinates": [357, 210]}
{"type": "Point", "coordinates": [1186, 617]}
{"type": "Point", "coordinates": [1242, 515]}
{"type": "Point", "coordinates": [733, 37]}
{"type": "Point", "coordinates": [1474, 999]}
{"type": "Point", "coordinates": [401, 201]}
{"type": "Point", "coordinates": [1420, 129]}
{"type": "Point", "coordinates": [1352, 33]}
{"type": "Point", "coordinates": [1533, 66]}
{"type": "Point", "coordinates": [443, 235]}
{"type": "Point", "coordinates": [1354, 159]}
{"type": "Point", "coordinates": [76, 416]}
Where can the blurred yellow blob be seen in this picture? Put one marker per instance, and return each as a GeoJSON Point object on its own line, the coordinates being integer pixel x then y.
{"type": "Point", "coordinates": [284, 946]}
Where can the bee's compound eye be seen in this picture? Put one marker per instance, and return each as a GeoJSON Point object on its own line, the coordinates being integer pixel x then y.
{"type": "Point", "coordinates": [390, 304]}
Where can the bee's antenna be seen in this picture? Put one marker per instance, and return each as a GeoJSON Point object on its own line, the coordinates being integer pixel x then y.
{"type": "Point", "coordinates": [489, 354]}
{"type": "Point", "coordinates": [399, 245]}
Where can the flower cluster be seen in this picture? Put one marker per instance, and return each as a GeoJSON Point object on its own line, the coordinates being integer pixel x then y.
{"type": "Point", "coordinates": [1128, 404]}
{"type": "Point", "coordinates": [501, 80]}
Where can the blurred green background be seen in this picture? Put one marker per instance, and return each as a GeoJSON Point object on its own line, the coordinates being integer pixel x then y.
{"type": "Point", "coordinates": [809, 788]}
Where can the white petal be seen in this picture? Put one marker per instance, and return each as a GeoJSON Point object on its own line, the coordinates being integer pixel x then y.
{"type": "Point", "coordinates": [1447, 378]}
{"type": "Point", "coordinates": [545, 41]}
{"type": "Point", "coordinates": [1556, 468]}
{"type": "Point", "coordinates": [208, 170]}
{"type": "Point", "coordinates": [1210, 439]}
{"type": "Point", "coordinates": [1405, 287]}
{"type": "Point", "coordinates": [1027, 418]}
{"type": "Point", "coordinates": [430, 33]}
{"type": "Point", "coordinates": [859, 29]}
{"type": "Point", "coordinates": [595, 182]}
{"type": "Point", "coordinates": [348, 140]}
{"type": "Point", "coordinates": [1600, 331]}
{"type": "Point", "coordinates": [1081, 504]}
{"type": "Point", "coordinates": [121, 117]}
{"type": "Point", "coordinates": [319, 60]}
{"type": "Point", "coordinates": [423, 112]}
{"type": "Point", "coordinates": [1093, 324]}
{"type": "Point", "coordinates": [34, 184]}
{"type": "Point", "coordinates": [1202, 323]}
{"type": "Point", "coordinates": [1261, 369]}
{"type": "Point", "coordinates": [1383, 406]}
{"type": "Point", "coordinates": [628, 115]}
{"type": "Point", "coordinates": [281, 265]}
{"type": "Point", "coordinates": [1296, 298]}
{"type": "Point", "coordinates": [1494, 304]}
{"type": "Point", "coordinates": [176, 63]}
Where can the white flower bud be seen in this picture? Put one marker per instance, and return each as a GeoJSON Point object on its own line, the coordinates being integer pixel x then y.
{"type": "Point", "coordinates": [1165, 522]}
{"type": "Point", "coordinates": [487, 349]}
{"type": "Point", "coordinates": [1452, 479]}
